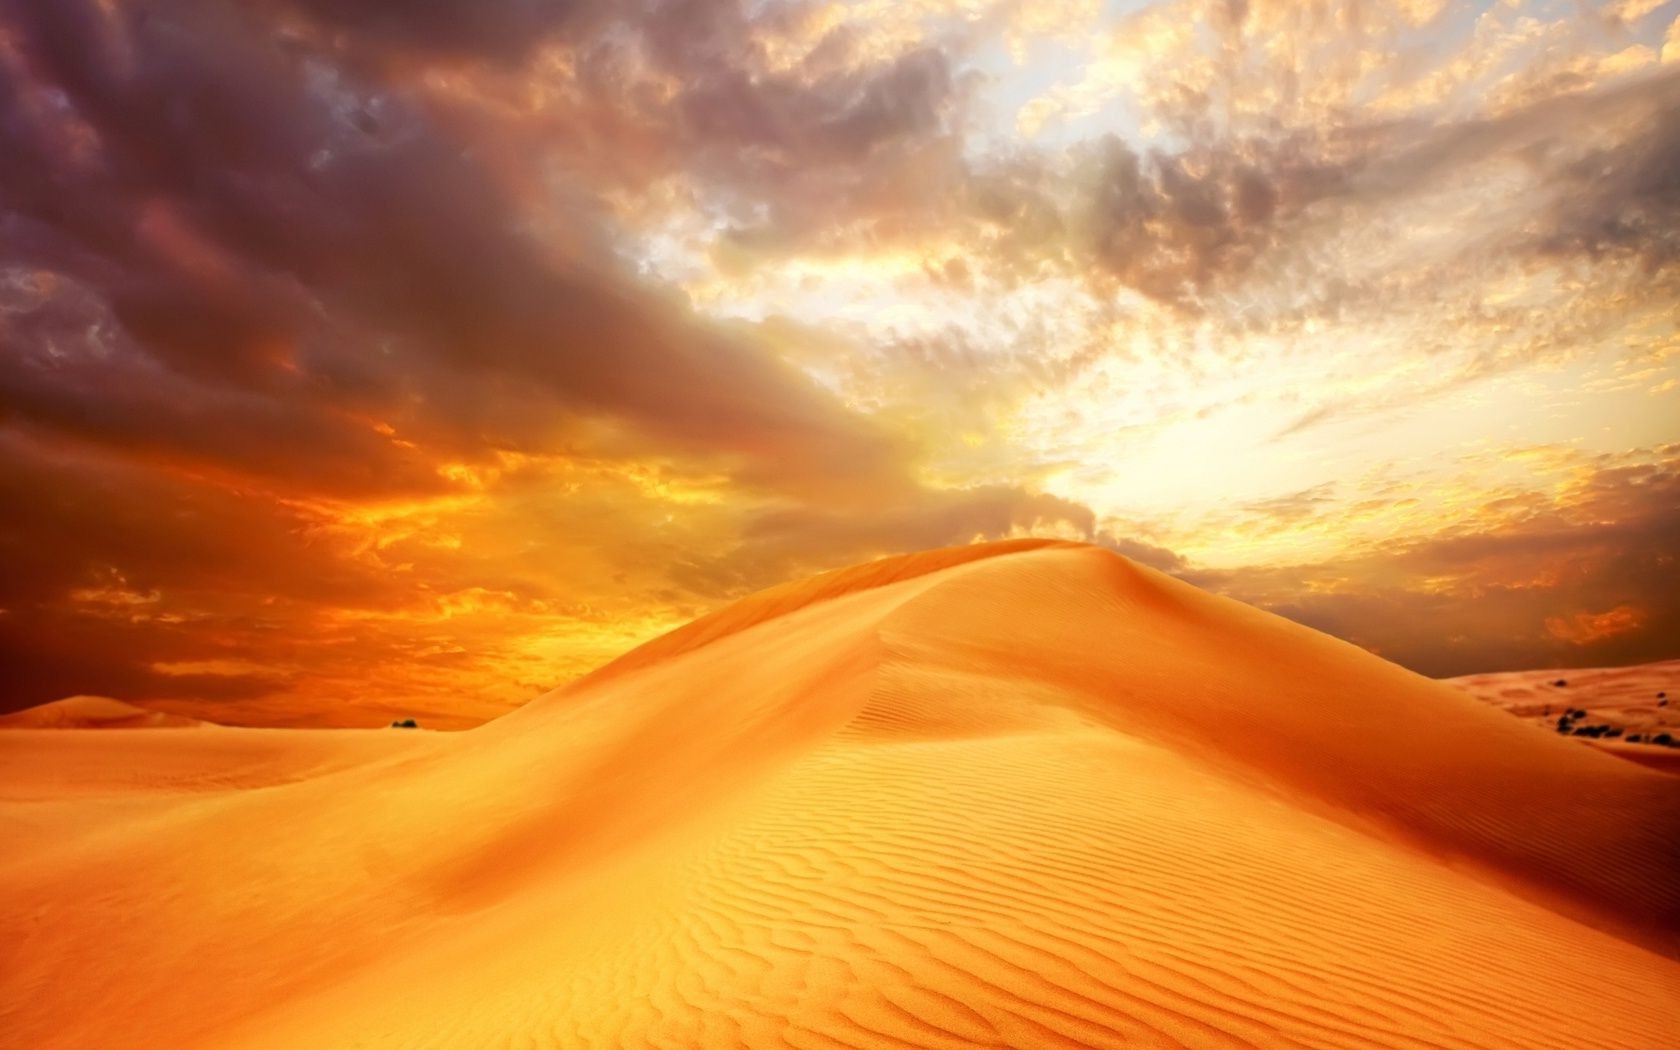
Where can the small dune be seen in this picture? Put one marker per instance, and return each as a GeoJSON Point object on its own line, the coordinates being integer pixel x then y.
{"type": "Point", "coordinates": [1020, 795]}
{"type": "Point", "coordinates": [94, 712]}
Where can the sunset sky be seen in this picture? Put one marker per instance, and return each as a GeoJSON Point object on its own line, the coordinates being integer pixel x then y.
{"type": "Point", "coordinates": [371, 358]}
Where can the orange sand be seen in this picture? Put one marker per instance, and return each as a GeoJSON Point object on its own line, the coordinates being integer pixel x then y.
{"type": "Point", "coordinates": [1629, 698]}
{"type": "Point", "coordinates": [1026, 795]}
{"type": "Point", "coordinates": [1630, 695]}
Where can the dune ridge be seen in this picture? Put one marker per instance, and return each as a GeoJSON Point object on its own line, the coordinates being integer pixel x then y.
{"type": "Point", "coordinates": [1030, 795]}
{"type": "Point", "coordinates": [795, 595]}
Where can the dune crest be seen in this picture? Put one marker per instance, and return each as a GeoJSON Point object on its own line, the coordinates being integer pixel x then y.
{"type": "Point", "coordinates": [778, 601]}
{"type": "Point", "coordinates": [1027, 795]}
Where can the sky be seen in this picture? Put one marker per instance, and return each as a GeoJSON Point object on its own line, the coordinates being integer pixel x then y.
{"type": "Point", "coordinates": [369, 359]}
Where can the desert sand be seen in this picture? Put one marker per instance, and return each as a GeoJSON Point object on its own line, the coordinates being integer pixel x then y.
{"type": "Point", "coordinates": [1025, 795]}
{"type": "Point", "coordinates": [1637, 704]}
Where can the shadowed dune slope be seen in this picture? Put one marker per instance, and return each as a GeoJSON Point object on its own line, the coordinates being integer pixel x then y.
{"type": "Point", "coordinates": [1026, 795]}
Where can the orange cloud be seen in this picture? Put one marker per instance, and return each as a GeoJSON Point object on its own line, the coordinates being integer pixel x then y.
{"type": "Point", "coordinates": [1505, 590]}
{"type": "Point", "coordinates": [1585, 628]}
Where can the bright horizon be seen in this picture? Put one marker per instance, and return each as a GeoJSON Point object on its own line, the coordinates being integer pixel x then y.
{"type": "Point", "coordinates": [356, 365]}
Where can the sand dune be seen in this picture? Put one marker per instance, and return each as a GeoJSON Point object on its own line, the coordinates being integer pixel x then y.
{"type": "Point", "coordinates": [1024, 795]}
{"type": "Point", "coordinates": [1638, 704]}
{"type": "Point", "coordinates": [94, 712]}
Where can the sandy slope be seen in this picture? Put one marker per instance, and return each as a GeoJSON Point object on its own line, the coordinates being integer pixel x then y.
{"type": "Point", "coordinates": [1018, 795]}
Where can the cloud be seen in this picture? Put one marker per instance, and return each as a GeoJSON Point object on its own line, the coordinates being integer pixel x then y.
{"type": "Point", "coordinates": [112, 568]}
{"type": "Point", "coordinates": [486, 339]}
{"type": "Point", "coordinates": [1266, 155]}
{"type": "Point", "coordinates": [1624, 197]}
{"type": "Point", "coordinates": [781, 543]}
{"type": "Point", "coordinates": [1588, 579]}
{"type": "Point", "coordinates": [499, 30]}
{"type": "Point", "coordinates": [258, 282]}
{"type": "Point", "coordinates": [276, 244]}
{"type": "Point", "coordinates": [1585, 628]}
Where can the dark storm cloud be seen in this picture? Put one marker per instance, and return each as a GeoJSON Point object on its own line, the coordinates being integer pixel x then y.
{"type": "Point", "coordinates": [502, 30]}
{"type": "Point", "coordinates": [797, 158]}
{"type": "Point", "coordinates": [251, 261]}
{"type": "Point", "coordinates": [244, 262]}
{"type": "Point", "coordinates": [252, 220]}
{"type": "Point", "coordinates": [73, 368]}
{"type": "Point", "coordinates": [789, 123]}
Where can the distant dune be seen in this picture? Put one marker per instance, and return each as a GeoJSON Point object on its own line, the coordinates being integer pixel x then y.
{"type": "Point", "coordinates": [1631, 712]}
{"type": "Point", "coordinates": [1024, 795]}
{"type": "Point", "coordinates": [93, 712]}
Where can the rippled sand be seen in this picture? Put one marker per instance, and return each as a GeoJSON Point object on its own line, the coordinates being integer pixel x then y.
{"type": "Point", "coordinates": [1026, 795]}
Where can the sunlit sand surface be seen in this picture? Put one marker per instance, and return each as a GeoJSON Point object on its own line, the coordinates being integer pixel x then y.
{"type": "Point", "coordinates": [1024, 795]}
